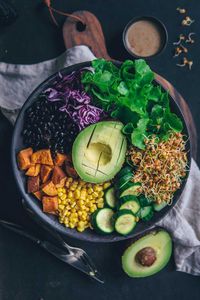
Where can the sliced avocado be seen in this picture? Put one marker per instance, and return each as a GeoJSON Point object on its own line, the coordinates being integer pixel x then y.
{"type": "Point", "coordinates": [148, 254]}
{"type": "Point", "coordinates": [99, 151]}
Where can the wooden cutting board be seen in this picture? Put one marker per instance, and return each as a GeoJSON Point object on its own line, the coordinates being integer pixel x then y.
{"type": "Point", "coordinates": [91, 35]}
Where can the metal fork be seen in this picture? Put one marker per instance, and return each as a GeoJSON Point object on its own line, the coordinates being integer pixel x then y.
{"type": "Point", "coordinates": [75, 257]}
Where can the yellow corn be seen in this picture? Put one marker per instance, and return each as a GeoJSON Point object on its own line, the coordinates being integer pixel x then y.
{"type": "Point", "coordinates": [77, 201]}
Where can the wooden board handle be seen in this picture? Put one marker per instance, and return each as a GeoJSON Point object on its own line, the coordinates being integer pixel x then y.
{"type": "Point", "coordinates": [91, 35]}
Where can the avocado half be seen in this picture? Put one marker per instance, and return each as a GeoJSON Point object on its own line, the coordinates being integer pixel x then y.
{"type": "Point", "coordinates": [148, 254]}
{"type": "Point", "coordinates": [99, 151]}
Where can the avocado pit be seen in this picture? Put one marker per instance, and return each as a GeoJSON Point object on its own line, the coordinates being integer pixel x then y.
{"type": "Point", "coordinates": [146, 257]}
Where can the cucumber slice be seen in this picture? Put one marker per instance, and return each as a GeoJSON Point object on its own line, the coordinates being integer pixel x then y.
{"type": "Point", "coordinates": [123, 180]}
{"type": "Point", "coordinates": [110, 198]}
{"type": "Point", "coordinates": [124, 221]}
{"type": "Point", "coordinates": [127, 198]}
{"type": "Point", "coordinates": [130, 189]}
{"type": "Point", "coordinates": [144, 201]}
{"type": "Point", "coordinates": [146, 213]}
{"type": "Point", "coordinates": [158, 207]}
{"type": "Point", "coordinates": [124, 171]}
{"type": "Point", "coordinates": [102, 220]}
{"type": "Point", "coordinates": [132, 205]}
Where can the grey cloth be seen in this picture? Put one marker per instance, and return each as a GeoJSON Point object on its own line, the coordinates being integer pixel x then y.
{"type": "Point", "coordinates": [183, 221]}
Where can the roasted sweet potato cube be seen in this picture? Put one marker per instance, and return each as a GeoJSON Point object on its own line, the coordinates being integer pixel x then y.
{"type": "Point", "coordinates": [24, 158]}
{"type": "Point", "coordinates": [33, 184]}
{"type": "Point", "coordinates": [58, 175]}
{"type": "Point", "coordinates": [61, 184]}
{"type": "Point", "coordinates": [49, 189]}
{"type": "Point", "coordinates": [60, 159]}
{"type": "Point", "coordinates": [50, 205]}
{"type": "Point", "coordinates": [33, 170]}
{"type": "Point", "coordinates": [38, 195]}
{"type": "Point", "coordinates": [71, 172]}
{"type": "Point", "coordinates": [42, 157]}
{"type": "Point", "coordinates": [45, 173]}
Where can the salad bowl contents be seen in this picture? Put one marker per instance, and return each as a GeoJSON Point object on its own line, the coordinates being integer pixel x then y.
{"type": "Point", "coordinates": [101, 149]}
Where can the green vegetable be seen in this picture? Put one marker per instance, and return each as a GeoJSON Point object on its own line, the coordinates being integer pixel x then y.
{"type": "Point", "coordinates": [124, 221]}
{"type": "Point", "coordinates": [110, 198]}
{"type": "Point", "coordinates": [129, 94]}
{"type": "Point", "coordinates": [144, 201]}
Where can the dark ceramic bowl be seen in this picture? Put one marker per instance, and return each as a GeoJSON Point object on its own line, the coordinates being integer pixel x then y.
{"type": "Point", "coordinates": [161, 28]}
{"type": "Point", "coordinates": [34, 206]}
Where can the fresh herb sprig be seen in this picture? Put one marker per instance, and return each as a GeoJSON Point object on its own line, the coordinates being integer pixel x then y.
{"type": "Point", "coordinates": [129, 94]}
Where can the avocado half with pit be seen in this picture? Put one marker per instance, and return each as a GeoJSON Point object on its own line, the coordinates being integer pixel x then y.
{"type": "Point", "coordinates": [148, 254]}
{"type": "Point", "coordinates": [99, 151]}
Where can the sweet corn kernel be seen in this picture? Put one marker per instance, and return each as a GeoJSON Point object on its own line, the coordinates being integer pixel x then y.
{"type": "Point", "coordinates": [77, 194]}
{"type": "Point", "coordinates": [61, 206]}
{"type": "Point", "coordinates": [70, 195]}
{"type": "Point", "coordinates": [63, 197]}
{"type": "Point", "coordinates": [95, 194]}
{"type": "Point", "coordinates": [100, 205]}
{"type": "Point", "coordinates": [106, 185]}
{"type": "Point", "coordinates": [100, 194]}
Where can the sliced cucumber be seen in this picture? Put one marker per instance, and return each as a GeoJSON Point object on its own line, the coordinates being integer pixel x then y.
{"type": "Point", "coordinates": [130, 189]}
{"type": "Point", "coordinates": [127, 198]}
{"type": "Point", "coordinates": [158, 207]}
{"type": "Point", "coordinates": [122, 181]}
{"type": "Point", "coordinates": [110, 198]}
{"type": "Point", "coordinates": [124, 222]}
{"type": "Point", "coordinates": [124, 171]}
{"type": "Point", "coordinates": [146, 213]}
{"type": "Point", "coordinates": [132, 205]}
{"type": "Point", "coordinates": [144, 201]}
{"type": "Point", "coordinates": [102, 220]}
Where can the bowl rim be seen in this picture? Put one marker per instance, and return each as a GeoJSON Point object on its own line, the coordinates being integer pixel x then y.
{"type": "Point", "coordinates": [52, 222]}
{"type": "Point", "coordinates": [154, 20]}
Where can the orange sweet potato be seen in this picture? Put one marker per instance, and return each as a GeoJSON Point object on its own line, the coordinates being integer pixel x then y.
{"type": "Point", "coordinates": [50, 205]}
{"type": "Point", "coordinates": [71, 172]}
{"type": "Point", "coordinates": [45, 173]}
{"type": "Point", "coordinates": [60, 159]}
{"type": "Point", "coordinates": [38, 195]}
{"type": "Point", "coordinates": [24, 158]}
{"type": "Point", "coordinates": [49, 189]}
{"type": "Point", "coordinates": [58, 175]}
{"type": "Point", "coordinates": [33, 184]}
{"type": "Point", "coordinates": [33, 170]}
{"type": "Point", "coordinates": [61, 184]}
{"type": "Point", "coordinates": [42, 157]}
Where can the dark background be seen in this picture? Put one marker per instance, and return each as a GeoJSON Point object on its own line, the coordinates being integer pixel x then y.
{"type": "Point", "coordinates": [27, 272]}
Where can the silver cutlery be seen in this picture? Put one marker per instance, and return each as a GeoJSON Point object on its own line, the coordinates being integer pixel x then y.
{"type": "Point", "coordinates": [76, 257]}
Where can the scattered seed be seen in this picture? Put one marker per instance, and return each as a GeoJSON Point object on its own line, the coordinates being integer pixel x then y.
{"type": "Point", "coordinates": [186, 62]}
{"type": "Point", "coordinates": [181, 38]}
{"type": "Point", "coordinates": [187, 21]}
{"type": "Point", "coordinates": [181, 10]}
{"type": "Point", "coordinates": [189, 39]}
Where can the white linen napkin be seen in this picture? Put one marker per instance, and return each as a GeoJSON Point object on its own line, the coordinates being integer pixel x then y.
{"type": "Point", "coordinates": [183, 221]}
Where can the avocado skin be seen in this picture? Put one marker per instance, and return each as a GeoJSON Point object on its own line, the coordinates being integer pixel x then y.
{"type": "Point", "coordinates": [157, 239]}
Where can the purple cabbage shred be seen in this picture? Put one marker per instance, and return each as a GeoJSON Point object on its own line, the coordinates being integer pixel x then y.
{"type": "Point", "coordinates": [74, 100]}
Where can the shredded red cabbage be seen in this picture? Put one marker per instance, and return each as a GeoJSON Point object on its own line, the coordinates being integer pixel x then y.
{"type": "Point", "coordinates": [74, 100]}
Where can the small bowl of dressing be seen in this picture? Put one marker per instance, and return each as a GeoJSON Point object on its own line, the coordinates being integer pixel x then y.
{"type": "Point", "coordinates": [145, 37]}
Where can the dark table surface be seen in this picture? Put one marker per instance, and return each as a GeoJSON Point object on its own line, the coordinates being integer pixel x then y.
{"type": "Point", "coordinates": [26, 271]}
